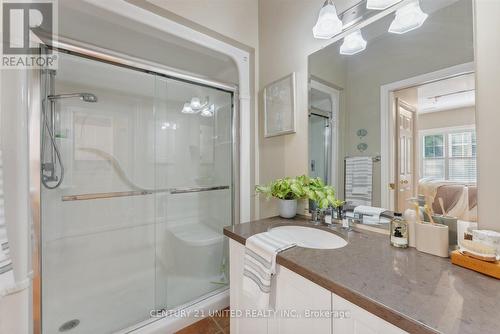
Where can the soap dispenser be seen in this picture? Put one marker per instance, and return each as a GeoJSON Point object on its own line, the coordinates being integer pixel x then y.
{"type": "Point", "coordinates": [399, 231]}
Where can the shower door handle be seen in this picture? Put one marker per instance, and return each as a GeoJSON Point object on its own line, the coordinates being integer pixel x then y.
{"type": "Point", "coordinates": [196, 189]}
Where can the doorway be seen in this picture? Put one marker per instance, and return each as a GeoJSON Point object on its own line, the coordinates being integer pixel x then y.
{"type": "Point", "coordinates": [323, 131]}
{"type": "Point", "coordinates": [434, 155]}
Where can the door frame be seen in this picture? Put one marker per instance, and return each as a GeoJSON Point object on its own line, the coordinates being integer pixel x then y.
{"type": "Point", "coordinates": [333, 119]}
{"type": "Point", "coordinates": [34, 91]}
{"type": "Point", "coordinates": [387, 122]}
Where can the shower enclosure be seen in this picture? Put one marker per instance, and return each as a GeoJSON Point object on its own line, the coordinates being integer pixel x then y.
{"type": "Point", "coordinates": [137, 168]}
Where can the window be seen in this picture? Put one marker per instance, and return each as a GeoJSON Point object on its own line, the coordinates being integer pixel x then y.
{"type": "Point", "coordinates": [449, 154]}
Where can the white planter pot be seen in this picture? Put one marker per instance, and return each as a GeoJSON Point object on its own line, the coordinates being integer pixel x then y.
{"type": "Point", "coordinates": [288, 208]}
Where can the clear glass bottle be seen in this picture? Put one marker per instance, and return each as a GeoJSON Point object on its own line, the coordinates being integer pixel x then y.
{"type": "Point", "coordinates": [399, 231]}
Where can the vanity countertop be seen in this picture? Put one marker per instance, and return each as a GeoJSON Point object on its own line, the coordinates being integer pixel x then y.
{"type": "Point", "coordinates": [417, 292]}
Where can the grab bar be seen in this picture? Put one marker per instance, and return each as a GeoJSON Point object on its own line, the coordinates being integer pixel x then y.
{"type": "Point", "coordinates": [86, 197]}
{"type": "Point", "coordinates": [196, 189]}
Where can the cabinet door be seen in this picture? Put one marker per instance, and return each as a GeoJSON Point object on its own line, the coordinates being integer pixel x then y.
{"type": "Point", "coordinates": [358, 320]}
{"type": "Point", "coordinates": [242, 322]}
{"type": "Point", "coordinates": [296, 299]}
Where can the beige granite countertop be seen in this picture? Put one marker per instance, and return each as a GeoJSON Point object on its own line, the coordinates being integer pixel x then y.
{"type": "Point", "coordinates": [417, 292]}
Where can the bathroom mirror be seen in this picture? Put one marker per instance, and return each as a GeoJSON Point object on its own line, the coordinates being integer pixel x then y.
{"type": "Point", "coordinates": [410, 87]}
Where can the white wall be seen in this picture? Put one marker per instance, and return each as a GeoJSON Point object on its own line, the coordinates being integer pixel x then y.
{"type": "Point", "coordinates": [14, 109]}
{"type": "Point", "coordinates": [447, 118]}
{"type": "Point", "coordinates": [236, 22]}
{"type": "Point", "coordinates": [286, 41]}
{"type": "Point", "coordinates": [237, 19]}
{"type": "Point", "coordinates": [487, 115]}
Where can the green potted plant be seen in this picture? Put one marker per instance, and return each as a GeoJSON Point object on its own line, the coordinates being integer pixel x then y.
{"type": "Point", "coordinates": [321, 194]}
{"type": "Point", "coordinates": [288, 190]}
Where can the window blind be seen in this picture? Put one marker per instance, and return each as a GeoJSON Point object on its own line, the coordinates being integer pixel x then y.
{"type": "Point", "coordinates": [450, 155]}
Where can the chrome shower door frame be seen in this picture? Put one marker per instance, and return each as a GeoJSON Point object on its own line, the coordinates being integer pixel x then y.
{"type": "Point", "coordinates": [35, 105]}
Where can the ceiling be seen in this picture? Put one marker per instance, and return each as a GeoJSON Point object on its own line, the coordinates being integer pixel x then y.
{"type": "Point", "coordinates": [83, 22]}
{"type": "Point", "coordinates": [453, 93]}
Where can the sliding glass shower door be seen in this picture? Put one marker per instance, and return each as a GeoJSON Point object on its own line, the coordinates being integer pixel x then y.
{"type": "Point", "coordinates": [193, 160]}
{"type": "Point", "coordinates": [136, 223]}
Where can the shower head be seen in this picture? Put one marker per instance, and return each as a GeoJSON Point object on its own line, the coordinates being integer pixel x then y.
{"type": "Point", "coordinates": [86, 97]}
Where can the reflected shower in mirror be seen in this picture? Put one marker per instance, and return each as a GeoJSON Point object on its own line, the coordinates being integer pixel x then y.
{"type": "Point", "coordinates": [405, 118]}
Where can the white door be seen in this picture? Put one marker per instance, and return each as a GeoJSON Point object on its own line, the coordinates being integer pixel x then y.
{"type": "Point", "coordinates": [404, 186]}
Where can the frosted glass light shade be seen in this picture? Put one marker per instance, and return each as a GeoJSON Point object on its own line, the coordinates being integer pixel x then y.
{"type": "Point", "coordinates": [353, 43]}
{"type": "Point", "coordinates": [380, 4]}
{"type": "Point", "coordinates": [195, 103]}
{"type": "Point", "coordinates": [208, 111]}
{"type": "Point", "coordinates": [408, 18]}
{"type": "Point", "coordinates": [186, 109]}
{"type": "Point", "coordinates": [328, 24]}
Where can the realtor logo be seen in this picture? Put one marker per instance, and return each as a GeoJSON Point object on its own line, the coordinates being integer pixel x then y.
{"type": "Point", "coordinates": [25, 26]}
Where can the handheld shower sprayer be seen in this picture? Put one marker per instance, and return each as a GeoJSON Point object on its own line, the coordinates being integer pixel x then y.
{"type": "Point", "coordinates": [49, 168]}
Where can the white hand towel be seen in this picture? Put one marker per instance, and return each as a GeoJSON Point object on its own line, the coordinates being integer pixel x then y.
{"type": "Point", "coordinates": [360, 190]}
{"type": "Point", "coordinates": [359, 180]}
{"type": "Point", "coordinates": [260, 266]}
{"type": "Point", "coordinates": [371, 215]}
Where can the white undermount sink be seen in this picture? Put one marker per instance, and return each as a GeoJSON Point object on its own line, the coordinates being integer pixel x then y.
{"type": "Point", "coordinates": [308, 237]}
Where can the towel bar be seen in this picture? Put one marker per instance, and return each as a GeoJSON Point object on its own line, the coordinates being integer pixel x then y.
{"type": "Point", "coordinates": [376, 158]}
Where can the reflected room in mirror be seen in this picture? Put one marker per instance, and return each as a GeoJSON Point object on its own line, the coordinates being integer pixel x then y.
{"type": "Point", "coordinates": [392, 114]}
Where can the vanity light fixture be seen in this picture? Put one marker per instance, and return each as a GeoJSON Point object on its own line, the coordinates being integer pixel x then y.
{"type": "Point", "coordinates": [328, 24]}
{"type": "Point", "coordinates": [195, 103]}
{"type": "Point", "coordinates": [187, 109]}
{"type": "Point", "coordinates": [353, 43]}
{"type": "Point", "coordinates": [168, 125]}
{"type": "Point", "coordinates": [380, 4]}
{"type": "Point", "coordinates": [195, 106]}
{"type": "Point", "coordinates": [408, 18]}
{"type": "Point", "coordinates": [208, 111]}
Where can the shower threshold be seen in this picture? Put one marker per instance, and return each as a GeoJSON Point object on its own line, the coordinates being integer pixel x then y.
{"type": "Point", "coordinates": [183, 315]}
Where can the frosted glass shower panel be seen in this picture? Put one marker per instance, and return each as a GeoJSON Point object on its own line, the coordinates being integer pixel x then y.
{"type": "Point", "coordinates": [192, 258]}
{"type": "Point", "coordinates": [98, 254]}
{"type": "Point", "coordinates": [136, 224]}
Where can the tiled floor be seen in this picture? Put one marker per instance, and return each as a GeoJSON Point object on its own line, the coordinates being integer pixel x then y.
{"type": "Point", "coordinates": [218, 324]}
